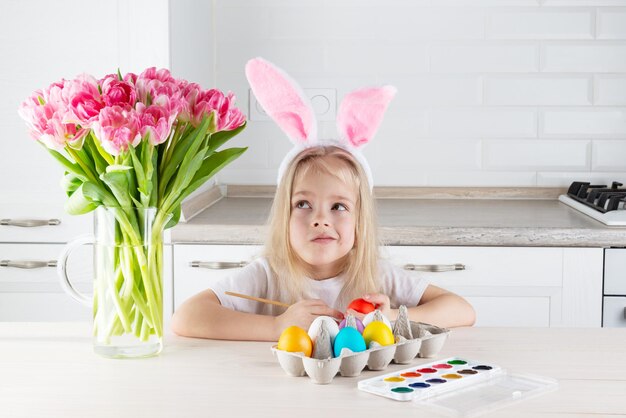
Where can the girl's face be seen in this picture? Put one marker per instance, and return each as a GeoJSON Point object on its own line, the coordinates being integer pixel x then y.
{"type": "Point", "coordinates": [322, 222]}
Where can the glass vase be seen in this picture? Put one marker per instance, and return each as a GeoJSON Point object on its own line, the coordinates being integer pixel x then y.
{"type": "Point", "coordinates": [128, 281]}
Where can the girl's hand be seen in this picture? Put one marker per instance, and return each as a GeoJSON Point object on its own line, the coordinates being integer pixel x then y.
{"type": "Point", "coordinates": [304, 312]}
{"type": "Point", "coordinates": [382, 303]}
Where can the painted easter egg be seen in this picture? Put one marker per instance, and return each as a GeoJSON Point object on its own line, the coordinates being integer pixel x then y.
{"type": "Point", "coordinates": [348, 338]}
{"type": "Point", "coordinates": [295, 340]}
{"type": "Point", "coordinates": [316, 325]}
{"type": "Point", "coordinates": [379, 332]}
{"type": "Point", "coordinates": [359, 324]}
{"type": "Point", "coordinates": [361, 306]}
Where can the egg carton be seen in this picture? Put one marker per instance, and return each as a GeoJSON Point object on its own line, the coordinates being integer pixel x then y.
{"type": "Point", "coordinates": [351, 364]}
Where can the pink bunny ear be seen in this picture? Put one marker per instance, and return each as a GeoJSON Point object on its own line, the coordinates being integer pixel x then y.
{"type": "Point", "coordinates": [282, 99]}
{"type": "Point", "coordinates": [361, 113]}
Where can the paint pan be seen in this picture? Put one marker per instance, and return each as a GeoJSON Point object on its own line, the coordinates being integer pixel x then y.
{"type": "Point", "coordinates": [457, 387]}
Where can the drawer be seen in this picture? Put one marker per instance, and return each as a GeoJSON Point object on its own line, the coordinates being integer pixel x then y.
{"type": "Point", "coordinates": [58, 226]}
{"type": "Point", "coordinates": [486, 266]}
{"type": "Point", "coordinates": [503, 311]}
{"type": "Point", "coordinates": [615, 271]}
{"type": "Point", "coordinates": [190, 280]}
{"type": "Point", "coordinates": [35, 307]}
{"type": "Point", "coordinates": [614, 311]}
{"type": "Point", "coordinates": [43, 279]}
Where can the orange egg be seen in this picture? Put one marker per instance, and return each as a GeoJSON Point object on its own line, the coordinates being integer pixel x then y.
{"type": "Point", "coordinates": [379, 332]}
{"type": "Point", "coordinates": [295, 340]}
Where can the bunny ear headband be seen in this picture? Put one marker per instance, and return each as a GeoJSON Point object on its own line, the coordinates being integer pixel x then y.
{"type": "Point", "coordinates": [360, 113]}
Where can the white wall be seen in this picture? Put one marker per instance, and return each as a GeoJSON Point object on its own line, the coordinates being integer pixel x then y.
{"type": "Point", "coordinates": [491, 93]}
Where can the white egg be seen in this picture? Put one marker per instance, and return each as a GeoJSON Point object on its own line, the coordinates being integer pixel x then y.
{"type": "Point", "coordinates": [370, 317]}
{"type": "Point", "coordinates": [331, 326]}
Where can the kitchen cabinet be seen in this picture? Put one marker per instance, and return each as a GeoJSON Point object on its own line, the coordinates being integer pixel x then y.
{"type": "Point", "coordinates": [518, 286]}
{"type": "Point", "coordinates": [508, 286]}
{"type": "Point", "coordinates": [29, 285]}
{"type": "Point", "coordinates": [197, 266]}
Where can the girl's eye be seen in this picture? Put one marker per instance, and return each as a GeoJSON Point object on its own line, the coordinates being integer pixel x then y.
{"type": "Point", "coordinates": [303, 204]}
{"type": "Point", "coordinates": [339, 206]}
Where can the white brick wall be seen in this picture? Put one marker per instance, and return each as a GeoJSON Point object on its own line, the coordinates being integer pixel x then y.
{"type": "Point", "coordinates": [491, 92]}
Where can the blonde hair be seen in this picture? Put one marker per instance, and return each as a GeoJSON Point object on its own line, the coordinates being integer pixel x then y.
{"type": "Point", "coordinates": [361, 268]}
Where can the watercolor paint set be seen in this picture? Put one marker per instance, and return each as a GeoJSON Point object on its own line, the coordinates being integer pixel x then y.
{"type": "Point", "coordinates": [351, 364]}
{"type": "Point", "coordinates": [457, 387]}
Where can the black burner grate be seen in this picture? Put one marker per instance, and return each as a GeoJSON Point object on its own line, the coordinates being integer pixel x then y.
{"type": "Point", "coordinates": [599, 197]}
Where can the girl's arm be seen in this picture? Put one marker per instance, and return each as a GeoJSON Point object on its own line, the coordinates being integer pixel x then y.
{"type": "Point", "coordinates": [442, 308]}
{"type": "Point", "coordinates": [203, 316]}
{"type": "Point", "coordinates": [437, 307]}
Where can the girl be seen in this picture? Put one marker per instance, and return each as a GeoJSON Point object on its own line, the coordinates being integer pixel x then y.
{"type": "Point", "coordinates": [322, 248]}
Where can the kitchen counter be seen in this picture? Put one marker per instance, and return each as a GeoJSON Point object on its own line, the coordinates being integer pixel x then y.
{"type": "Point", "coordinates": [49, 370]}
{"type": "Point", "coordinates": [420, 221]}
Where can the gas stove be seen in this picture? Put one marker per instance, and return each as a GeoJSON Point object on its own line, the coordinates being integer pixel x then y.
{"type": "Point", "coordinates": [601, 202]}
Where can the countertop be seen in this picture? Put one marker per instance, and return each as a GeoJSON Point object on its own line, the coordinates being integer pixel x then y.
{"type": "Point", "coordinates": [49, 370]}
{"type": "Point", "coordinates": [419, 221]}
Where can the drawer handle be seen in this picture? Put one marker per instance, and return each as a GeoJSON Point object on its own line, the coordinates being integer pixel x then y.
{"type": "Point", "coordinates": [218, 265]}
{"type": "Point", "coordinates": [434, 268]}
{"type": "Point", "coordinates": [27, 264]}
{"type": "Point", "coordinates": [29, 223]}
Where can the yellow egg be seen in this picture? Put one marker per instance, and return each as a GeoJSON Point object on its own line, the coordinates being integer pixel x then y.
{"type": "Point", "coordinates": [295, 340]}
{"type": "Point", "coordinates": [379, 332]}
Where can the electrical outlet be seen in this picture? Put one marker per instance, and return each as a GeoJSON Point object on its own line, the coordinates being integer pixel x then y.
{"type": "Point", "coordinates": [324, 102]}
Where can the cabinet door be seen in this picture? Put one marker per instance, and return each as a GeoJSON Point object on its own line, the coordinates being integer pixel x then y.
{"type": "Point", "coordinates": [29, 285]}
{"type": "Point", "coordinates": [507, 286]}
{"type": "Point", "coordinates": [196, 266]}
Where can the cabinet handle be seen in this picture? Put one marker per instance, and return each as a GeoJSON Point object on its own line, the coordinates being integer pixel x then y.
{"type": "Point", "coordinates": [29, 223]}
{"type": "Point", "coordinates": [218, 265]}
{"type": "Point", "coordinates": [434, 268]}
{"type": "Point", "coordinates": [27, 264]}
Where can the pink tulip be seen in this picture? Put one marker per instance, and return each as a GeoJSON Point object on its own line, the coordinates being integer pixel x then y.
{"type": "Point", "coordinates": [156, 122]}
{"type": "Point", "coordinates": [153, 83]}
{"type": "Point", "coordinates": [189, 94]}
{"type": "Point", "coordinates": [117, 128]}
{"type": "Point", "coordinates": [44, 113]}
{"type": "Point", "coordinates": [84, 100]}
{"type": "Point", "coordinates": [228, 117]}
{"type": "Point", "coordinates": [117, 92]}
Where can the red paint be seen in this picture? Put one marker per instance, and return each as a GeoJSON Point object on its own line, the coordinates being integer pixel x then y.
{"type": "Point", "coordinates": [410, 374]}
{"type": "Point", "coordinates": [362, 306]}
{"type": "Point", "coordinates": [442, 366]}
{"type": "Point", "coordinates": [427, 370]}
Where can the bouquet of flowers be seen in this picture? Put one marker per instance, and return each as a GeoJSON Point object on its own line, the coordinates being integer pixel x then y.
{"type": "Point", "coordinates": [126, 143]}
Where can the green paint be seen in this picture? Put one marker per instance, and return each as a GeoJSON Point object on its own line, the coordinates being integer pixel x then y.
{"type": "Point", "coordinates": [457, 362]}
{"type": "Point", "coordinates": [402, 390]}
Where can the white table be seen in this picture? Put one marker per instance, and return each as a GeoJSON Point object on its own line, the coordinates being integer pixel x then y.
{"type": "Point", "coordinates": [49, 370]}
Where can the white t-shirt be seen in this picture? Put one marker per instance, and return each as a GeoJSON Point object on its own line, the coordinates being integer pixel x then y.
{"type": "Point", "coordinates": [256, 279]}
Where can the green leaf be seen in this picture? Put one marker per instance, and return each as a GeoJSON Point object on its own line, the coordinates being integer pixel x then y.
{"type": "Point", "coordinates": [79, 204]}
{"type": "Point", "coordinates": [70, 166]}
{"type": "Point", "coordinates": [184, 176]}
{"type": "Point", "coordinates": [118, 167]}
{"type": "Point", "coordinates": [70, 183]}
{"type": "Point", "coordinates": [210, 166]}
{"type": "Point", "coordinates": [175, 217]}
{"type": "Point", "coordinates": [219, 138]}
{"type": "Point", "coordinates": [184, 149]}
{"type": "Point", "coordinates": [118, 183]}
{"type": "Point", "coordinates": [100, 163]}
{"type": "Point", "coordinates": [97, 193]}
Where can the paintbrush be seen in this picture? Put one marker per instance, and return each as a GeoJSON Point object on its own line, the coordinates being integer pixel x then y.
{"type": "Point", "coordinates": [273, 302]}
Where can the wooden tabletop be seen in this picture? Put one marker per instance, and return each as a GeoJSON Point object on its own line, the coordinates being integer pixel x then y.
{"type": "Point", "coordinates": [49, 370]}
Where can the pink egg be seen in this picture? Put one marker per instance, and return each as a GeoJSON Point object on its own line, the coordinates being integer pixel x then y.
{"type": "Point", "coordinates": [359, 325]}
